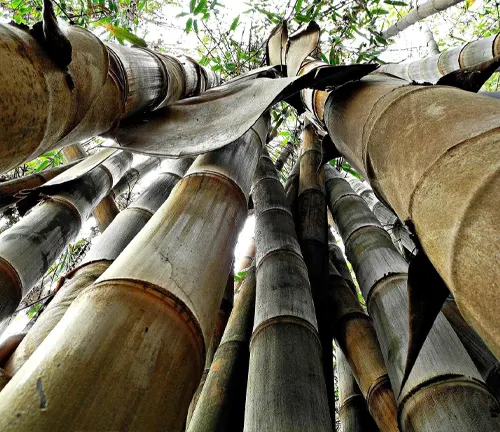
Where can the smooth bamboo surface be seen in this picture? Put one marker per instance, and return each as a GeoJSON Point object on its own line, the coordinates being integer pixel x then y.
{"type": "Point", "coordinates": [221, 404]}
{"type": "Point", "coordinates": [462, 401]}
{"type": "Point", "coordinates": [153, 312]}
{"type": "Point", "coordinates": [353, 411]}
{"type": "Point", "coordinates": [101, 254]}
{"type": "Point", "coordinates": [29, 248]}
{"type": "Point", "coordinates": [429, 167]}
{"type": "Point", "coordinates": [286, 388]}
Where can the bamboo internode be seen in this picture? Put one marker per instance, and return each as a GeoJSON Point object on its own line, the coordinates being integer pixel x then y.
{"type": "Point", "coordinates": [153, 311]}
{"type": "Point", "coordinates": [99, 257]}
{"type": "Point", "coordinates": [443, 368]}
{"type": "Point", "coordinates": [134, 174]}
{"type": "Point", "coordinates": [29, 247]}
{"type": "Point", "coordinates": [286, 388]}
{"type": "Point", "coordinates": [433, 165]}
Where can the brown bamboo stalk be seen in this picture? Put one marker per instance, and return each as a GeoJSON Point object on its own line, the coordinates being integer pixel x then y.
{"type": "Point", "coordinates": [355, 336]}
{"type": "Point", "coordinates": [286, 388]}
{"type": "Point", "coordinates": [312, 229]}
{"type": "Point", "coordinates": [153, 312]}
{"type": "Point", "coordinates": [10, 188]}
{"type": "Point", "coordinates": [486, 363]}
{"type": "Point", "coordinates": [430, 69]}
{"type": "Point", "coordinates": [353, 411]}
{"type": "Point", "coordinates": [420, 12]}
{"type": "Point", "coordinates": [222, 400]}
{"type": "Point", "coordinates": [110, 82]}
{"type": "Point", "coordinates": [29, 247]}
{"type": "Point", "coordinates": [431, 166]}
{"type": "Point", "coordinates": [284, 155]}
{"type": "Point", "coordinates": [134, 174]}
{"type": "Point", "coordinates": [99, 257]}
{"type": "Point", "coordinates": [443, 371]}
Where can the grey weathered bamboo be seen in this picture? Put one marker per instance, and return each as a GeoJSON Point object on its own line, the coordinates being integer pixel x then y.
{"type": "Point", "coordinates": [312, 227]}
{"type": "Point", "coordinates": [286, 152]}
{"type": "Point", "coordinates": [430, 42]}
{"type": "Point", "coordinates": [355, 336]}
{"type": "Point", "coordinates": [430, 177]}
{"type": "Point", "coordinates": [10, 188]}
{"type": "Point", "coordinates": [222, 401]}
{"type": "Point", "coordinates": [486, 363]}
{"type": "Point", "coordinates": [134, 174]}
{"type": "Point", "coordinates": [29, 248]}
{"type": "Point", "coordinates": [245, 262]}
{"type": "Point", "coordinates": [153, 312]}
{"type": "Point", "coordinates": [286, 389]}
{"type": "Point", "coordinates": [420, 12]}
{"type": "Point", "coordinates": [430, 69]}
{"type": "Point", "coordinates": [99, 257]}
{"type": "Point", "coordinates": [110, 82]}
{"type": "Point", "coordinates": [443, 371]}
{"type": "Point", "coordinates": [353, 411]}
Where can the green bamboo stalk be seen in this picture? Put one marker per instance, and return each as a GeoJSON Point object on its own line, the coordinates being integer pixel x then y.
{"type": "Point", "coordinates": [443, 371]}
{"type": "Point", "coordinates": [286, 388]}
{"type": "Point", "coordinates": [153, 312]}
{"type": "Point", "coordinates": [99, 257]}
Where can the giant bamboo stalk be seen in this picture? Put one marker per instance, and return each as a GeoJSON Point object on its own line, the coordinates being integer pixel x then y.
{"type": "Point", "coordinates": [443, 370]}
{"type": "Point", "coordinates": [110, 82]}
{"type": "Point", "coordinates": [430, 42]}
{"type": "Point", "coordinates": [430, 69]}
{"type": "Point", "coordinates": [420, 12]}
{"type": "Point", "coordinates": [153, 312]}
{"type": "Point", "coordinates": [286, 388]}
{"type": "Point", "coordinates": [29, 248]}
{"type": "Point", "coordinates": [418, 169]}
{"type": "Point", "coordinates": [284, 155]}
{"type": "Point", "coordinates": [221, 403]}
{"type": "Point", "coordinates": [99, 257]}
{"type": "Point", "coordinates": [312, 230]}
{"type": "Point", "coordinates": [355, 335]}
{"type": "Point", "coordinates": [353, 411]}
{"type": "Point", "coordinates": [134, 174]}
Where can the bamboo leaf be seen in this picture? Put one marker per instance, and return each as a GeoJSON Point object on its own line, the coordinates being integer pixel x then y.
{"type": "Point", "coordinates": [189, 25]}
{"type": "Point", "coordinates": [192, 5]}
{"type": "Point", "coordinates": [122, 33]}
{"type": "Point", "coordinates": [234, 24]}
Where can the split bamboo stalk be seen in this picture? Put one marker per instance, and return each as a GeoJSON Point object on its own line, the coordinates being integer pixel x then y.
{"type": "Point", "coordinates": [286, 387]}
{"type": "Point", "coordinates": [486, 363]}
{"type": "Point", "coordinates": [29, 247]}
{"type": "Point", "coordinates": [284, 155]}
{"type": "Point", "coordinates": [433, 165]}
{"type": "Point", "coordinates": [111, 82]}
{"type": "Point", "coordinates": [312, 234]}
{"type": "Point", "coordinates": [430, 69]}
{"type": "Point", "coordinates": [221, 404]}
{"type": "Point", "coordinates": [443, 370]}
{"type": "Point", "coordinates": [106, 210]}
{"type": "Point", "coordinates": [9, 189]}
{"type": "Point", "coordinates": [134, 174]}
{"type": "Point", "coordinates": [355, 336]}
{"type": "Point", "coordinates": [420, 12]}
{"type": "Point", "coordinates": [353, 411]}
{"type": "Point", "coordinates": [99, 257]}
{"type": "Point", "coordinates": [153, 312]}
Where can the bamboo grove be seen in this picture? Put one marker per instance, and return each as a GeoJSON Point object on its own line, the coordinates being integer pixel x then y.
{"type": "Point", "coordinates": [370, 304]}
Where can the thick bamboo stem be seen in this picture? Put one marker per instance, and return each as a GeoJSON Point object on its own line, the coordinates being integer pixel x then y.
{"type": "Point", "coordinates": [353, 411]}
{"type": "Point", "coordinates": [99, 257]}
{"type": "Point", "coordinates": [312, 234]}
{"type": "Point", "coordinates": [153, 312]}
{"type": "Point", "coordinates": [29, 248]}
{"type": "Point", "coordinates": [134, 174]}
{"type": "Point", "coordinates": [461, 401]}
{"type": "Point", "coordinates": [430, 42]}
{"type": "Point", "coordinates": [429, 167]}
{"type": "Point", "coordinates": [284, 155]}
{"type": "Point", "coordinates": [286, 388]}
{"type": "Point", "coordinates": [222, 400]}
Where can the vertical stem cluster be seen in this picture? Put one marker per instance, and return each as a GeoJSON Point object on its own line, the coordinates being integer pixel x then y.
{"type": "Point", "coordinates": [286, 388]}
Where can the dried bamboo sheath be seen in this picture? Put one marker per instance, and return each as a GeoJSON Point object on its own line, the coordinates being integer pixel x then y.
{"type": "Point", "coordinates": [111, 82]}
{"type": "Point", "coordinates": [153, 311]}
{"type": "Point", "coordinates": [433, 165]}
{"type": "Point", "coordinates": [443, 370]}
{"type": "Point", "coordinates": [221, 403]}
{"type": "Point", "coordinates": [286, 389]}
{"type": "Point", "coordinates": [29, 248]}
{"type": "Point", "coordinates": [100, 256]}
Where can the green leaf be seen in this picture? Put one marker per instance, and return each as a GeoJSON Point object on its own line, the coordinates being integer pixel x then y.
{"type": "Point", "coordinates": [379, 11]}
{"type": "Point", "coordinates": [189, 24]}
{"type": "Point", "coordinates": [195, 26]}
{"type": "Point", "coordinates": [201, 8]}
{"type": "Point", "coordinates": [192, 5]}
{"type": "Point", "coordinates": [121, 34]}
{"type": "Point", "coordinates": [235, 23]}
{"type": "Point", "coordinates": [298, 6]}
{"type": "Point", "coordinates": [395, 3]}
{"type": "Point", "coordinates": [43, 165]}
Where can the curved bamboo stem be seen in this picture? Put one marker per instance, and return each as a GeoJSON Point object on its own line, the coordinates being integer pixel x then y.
{"type": "Point", "coordinates": [153, 311]}
{"type": "Point", "coordinates": [286, 388]}
{"type": "Point", "coordinates": [443, 368]}
{"type": "Point", "coordinates": [134, 174]}
{"type": "Point", "coordinates": [284, 155]}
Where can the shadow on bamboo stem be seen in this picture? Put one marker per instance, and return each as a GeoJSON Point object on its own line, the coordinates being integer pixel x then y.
{"type": "Point", "coordinates": [153, 312]}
